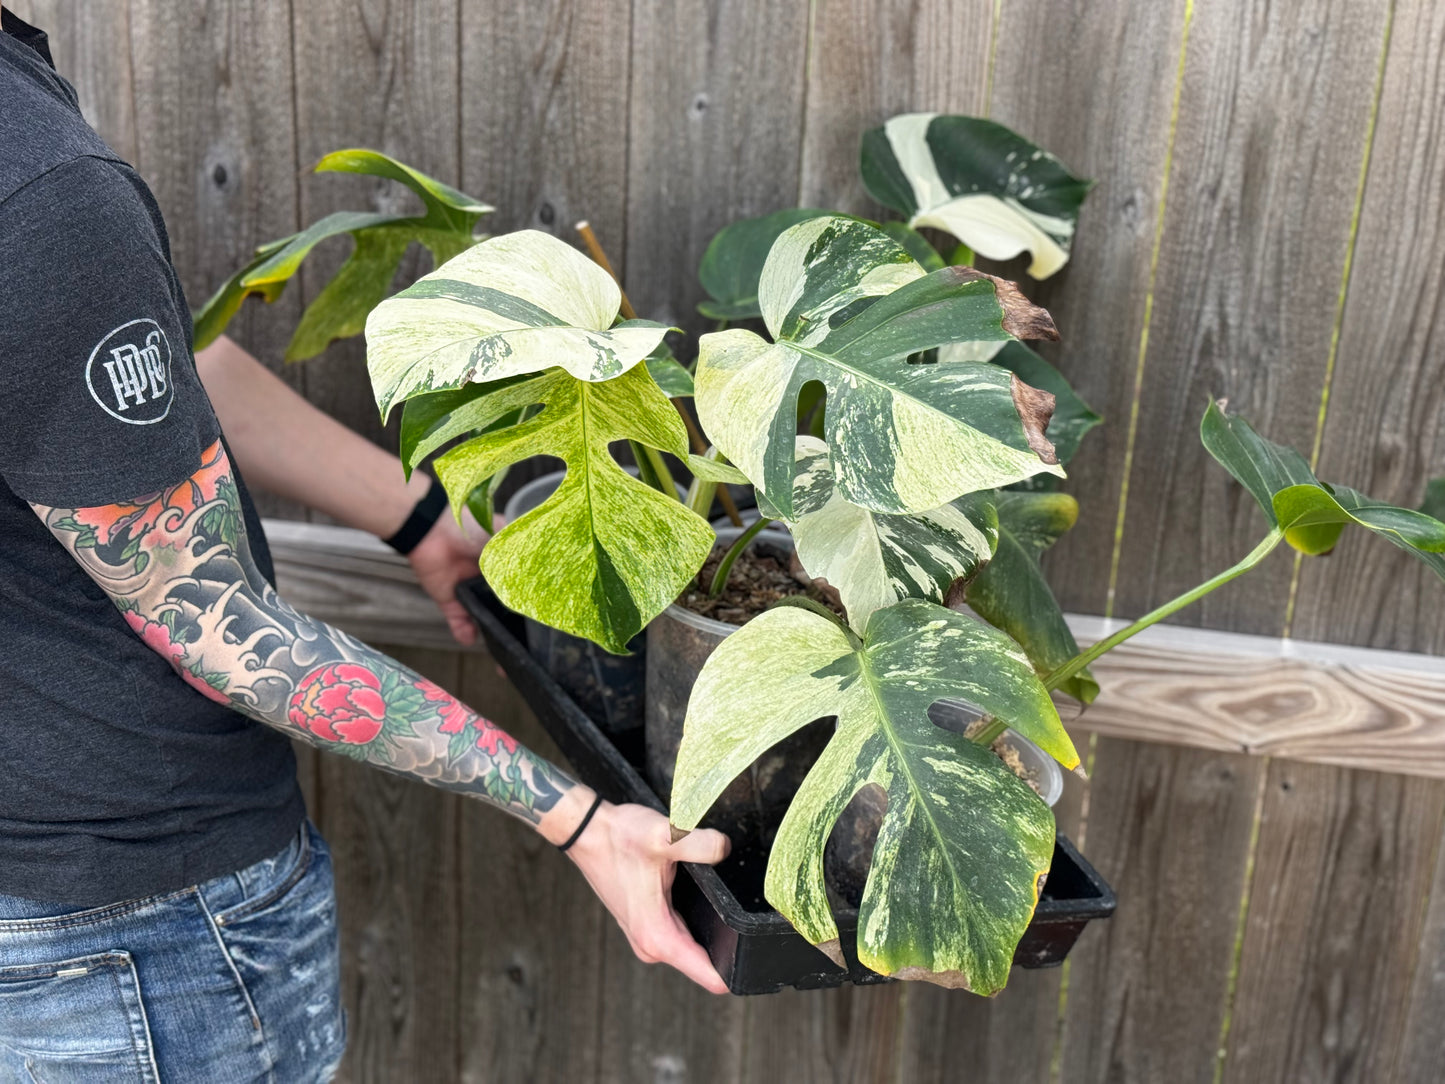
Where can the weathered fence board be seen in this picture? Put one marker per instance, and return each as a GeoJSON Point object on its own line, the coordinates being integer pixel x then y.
{"type": "Point", "coordinates": [1272, 125]}
{"type": "Point", "coordinates": [1333, 933]}
{"type": "Point", "coordinates": [715, 124]}
{"type": "Point", "coordinates": [870, 59]}
{"type": "Point", "coordinates": [1095, 83]}
{"type": "Point", "coordinates": [1169, 829]}
{"type": "Point", "coordinates": [1385, 428]}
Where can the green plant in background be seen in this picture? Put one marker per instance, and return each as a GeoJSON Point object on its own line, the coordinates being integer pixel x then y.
{"type": "Point", "coordinates": [445, 228]}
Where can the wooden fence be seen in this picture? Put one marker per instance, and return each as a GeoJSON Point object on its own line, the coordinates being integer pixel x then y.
{"type": "Point", "coordinates": [1268, 226]}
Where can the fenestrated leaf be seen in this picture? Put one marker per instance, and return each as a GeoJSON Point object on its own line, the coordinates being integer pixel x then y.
{"type": "Point", "coordinates": [514, 304]}
{"type": "Point", "coordinates": [957, 864]}
{"type": "Point", "coordinates": [874, 560]}
{"type": "Point", "coordinates": [604, 554]}
{"type": "Point", "coordinates": [988, 186]}
{"type": "Point", "coordinates": [1011, 592]}
{"type": "Point", "coordinates": [1312, 513]}
{"type": "Point", "coordinates": [445, 228]}
{"type": "Point", "coordinates": [848, 305]}
{"type": "Point", "coordinates": [734, 261]}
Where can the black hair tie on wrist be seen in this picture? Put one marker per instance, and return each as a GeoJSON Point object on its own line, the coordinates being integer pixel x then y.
{"type": "Point", "coordinates": [423, 517]}
{"type": "Point", "coordinates": [596, 802]}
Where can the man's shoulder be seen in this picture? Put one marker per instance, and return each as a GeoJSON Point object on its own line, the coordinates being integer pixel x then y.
{"type": "Point", "coordinates": [39, 132]}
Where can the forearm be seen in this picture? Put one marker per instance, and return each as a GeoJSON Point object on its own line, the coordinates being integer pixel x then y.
{"type": "Point", "coordinates": [288, 447]}
{"type": "Point", "coordinates": [178, 566]}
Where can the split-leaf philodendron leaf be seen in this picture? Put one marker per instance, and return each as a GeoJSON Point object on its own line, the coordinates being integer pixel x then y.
{"type": "Point", "coordinates": [1072, 417]}
{"type": "Point", "coordinates": [956, 868]}
{"type": "Point", "coordinates": [988, 186]}
{"type": "Point", "coordinates": [1011, 593]}
{"type": "Point", "coordinates": [734, 261]}
{"type": "Point", "coordinates": [847, 306]}
{"type": "Point", "coordinates": [446, 227]}
{"type": "Point", "coordinates": [874, 560]}
{"type": "Point", "coordinates": [604, 554]}
{"type": "Point", "coordinates": [514, 304]}
{"type": "Point", "coordinates": [1311, 513]}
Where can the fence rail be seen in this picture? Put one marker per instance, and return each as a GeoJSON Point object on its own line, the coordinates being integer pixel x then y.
{"type": "Point", "coordinates": [1267, 226]}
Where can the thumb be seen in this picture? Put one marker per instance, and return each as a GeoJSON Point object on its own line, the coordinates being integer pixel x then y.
{"type": "Point", "coordinates": [706, 845]}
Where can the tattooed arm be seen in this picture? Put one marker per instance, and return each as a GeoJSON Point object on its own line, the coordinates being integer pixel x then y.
{"type": "Point", "coordinates": [178, 566]}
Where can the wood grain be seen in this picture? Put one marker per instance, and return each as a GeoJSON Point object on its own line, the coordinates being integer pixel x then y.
{"type": "Point", "coordinates": [1333, 932]}
{"type": "Point", "coordinates": [1385, 427]}
{"type": "Point", "coordinates": [395, 847]}
{"type": "Point", "coordinates": [1094, 83]}
{"type": "Point", "coordinates": [714, 127]}
{"type": "Point", "coordinates": [381, 74]}
{"type": "Point", "coordinates": [1169, 829]}
{"type": "Point", "coordinates": [871, 59]}
{"type": "Point", "coordinates": [544, 115]}
{"type": "Point", "coordinates": [1422, 1045]}
{"type": "Point", "coordinates": [1272, 125]}
{"type": "Point", "coordinates": [529, 972]}
{"type": "Point", "coordinates": [847, 1035]}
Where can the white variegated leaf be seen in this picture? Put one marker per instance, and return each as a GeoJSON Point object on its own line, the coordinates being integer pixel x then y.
{"type": "Point", "coordinates": [848, 307]}
{"type": "Point", "coordinates": [604, 554]}
{"type": "Point", "coordinates": [874, 560]}
{"type": "Point", "coordinates": [988, 186]}
{"type": "Point", "coordinates": [514, 304]}
{"type": "Point", "coordinates": [956, 867]}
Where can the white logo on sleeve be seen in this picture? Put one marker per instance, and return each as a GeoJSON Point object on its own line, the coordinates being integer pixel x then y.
{"type": "Point", "coordinates": [129, 373]}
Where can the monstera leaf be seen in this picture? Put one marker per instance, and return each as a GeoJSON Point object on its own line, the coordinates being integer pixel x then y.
{"type": "Point", "coordinates": [847, 305]}
{"type": "Point", "coordinates": [605, 553]}
{"type": "Point", "coordinates": [1011, 592]}
{"type": "Point", "coordinates": [988, 186]}
{"type": "Point", "coordinates": [1311, 513]}
{"type": "Point", "coordinates": [1072, 418]}
{"type": "Point", "coordinates": [445, 228]}
{"type": "Point", "coordinates": [734, 261]}
{"type": "Point", "coordinates": [874, 560]}
{"type": "Point", "coordinates": [956, 867]}
{"type": "Point", "coordinates": [514, 304]}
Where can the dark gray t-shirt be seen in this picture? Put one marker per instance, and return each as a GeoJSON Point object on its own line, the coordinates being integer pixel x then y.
{"type": "Point", "coordinates": [117, 779]}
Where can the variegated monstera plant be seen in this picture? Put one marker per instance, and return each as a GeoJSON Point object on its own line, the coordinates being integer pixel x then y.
{"type": "Point", "coordinates": [893, 419]}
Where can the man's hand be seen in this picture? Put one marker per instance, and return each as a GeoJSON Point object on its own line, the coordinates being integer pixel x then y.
{"type": "Point", "coordinates": [628, 858]}
{"type": "Point", "coordinates": [444, 558]}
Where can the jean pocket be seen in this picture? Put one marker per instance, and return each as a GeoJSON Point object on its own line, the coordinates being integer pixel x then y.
{"type": "Point", "coordinates": [79, 1020]}
{"type": "Point", "coordinates": [281, 879]}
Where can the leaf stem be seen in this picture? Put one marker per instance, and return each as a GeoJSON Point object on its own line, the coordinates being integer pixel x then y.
{"type": "Point", "coordinates": [1084, 658]}
{"type": "Point", "coordinates": [720, 577]}
{"type": "Point", "coordinates": [989, 732]}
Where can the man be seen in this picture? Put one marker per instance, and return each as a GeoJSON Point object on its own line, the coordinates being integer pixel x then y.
{"type": "Point", "coordinates": [166, 912]}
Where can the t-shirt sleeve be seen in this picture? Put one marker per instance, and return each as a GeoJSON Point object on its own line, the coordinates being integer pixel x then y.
{"type": "Point", "coordinates": [99, 397]}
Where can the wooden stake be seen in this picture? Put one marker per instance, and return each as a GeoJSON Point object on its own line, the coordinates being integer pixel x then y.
{"type": "Point", "coordinates": [599, 257]}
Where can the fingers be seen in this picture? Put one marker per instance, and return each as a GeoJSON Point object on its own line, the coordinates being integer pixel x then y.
{"type": "Point", "coordinates": [706, 845]}
{"type": "Point", "coordinates": [668, 942]}
{"type": "Point", "coordinates": [463, 630]}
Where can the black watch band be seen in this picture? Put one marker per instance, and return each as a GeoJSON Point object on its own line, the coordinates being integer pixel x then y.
{"type": "Point", "coordinates": [427, 511]}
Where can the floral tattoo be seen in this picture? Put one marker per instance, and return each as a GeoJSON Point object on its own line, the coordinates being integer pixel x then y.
{"type": "Point", "coordinates": [178, 566]}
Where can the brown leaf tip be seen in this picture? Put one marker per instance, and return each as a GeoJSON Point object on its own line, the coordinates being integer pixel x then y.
{"type": "Point", "coordinates": [952, 980]}
{"type": "Point", "coordinates": [833, 951]}
{"type": "Point", "coordinates": [678, 833]}
{"type": "Point", "coordinates": [1035, 407]}
{"type": "Point", "coordinates": [1021, 317]}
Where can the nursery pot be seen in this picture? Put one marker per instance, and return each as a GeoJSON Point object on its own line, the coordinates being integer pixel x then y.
{"type": "Point", "coordinates": [609, 688]}
{"type": "Point", "coordinates": [678, 643]}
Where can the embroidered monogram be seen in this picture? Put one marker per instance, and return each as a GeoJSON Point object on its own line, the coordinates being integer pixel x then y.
{"type": "Point", "coordinates": [129, 373]}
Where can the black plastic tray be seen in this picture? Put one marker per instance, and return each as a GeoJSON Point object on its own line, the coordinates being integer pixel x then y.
{"type": "Point", "coordinates": [756, 951]}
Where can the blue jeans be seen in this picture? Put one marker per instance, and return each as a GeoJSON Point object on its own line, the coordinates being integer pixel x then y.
{"type": "Point", "coordinates": [232, 980]}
